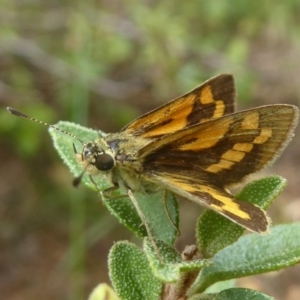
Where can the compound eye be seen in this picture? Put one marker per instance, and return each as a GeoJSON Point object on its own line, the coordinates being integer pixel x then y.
{"type": "Point", "coordinates": [104, 162]}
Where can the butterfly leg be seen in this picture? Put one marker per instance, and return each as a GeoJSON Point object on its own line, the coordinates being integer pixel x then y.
{"type": "Point", "coordinates": [168, 213]}
{"type": "Point", "coordinates": [107, 193]}
{"type": "Point", "coordinates": [142, 216]}
{"type": "Point", "coordinates": [97, 189]}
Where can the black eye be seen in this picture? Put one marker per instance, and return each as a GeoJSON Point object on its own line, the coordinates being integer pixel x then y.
{"type": "Point", "coordinates": [104, 162]}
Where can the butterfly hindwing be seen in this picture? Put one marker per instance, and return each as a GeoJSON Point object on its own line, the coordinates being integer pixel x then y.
{"type": "Point", "coordinates": [213, 99]}
{"type": "Point", "coordinates": [204, 193]}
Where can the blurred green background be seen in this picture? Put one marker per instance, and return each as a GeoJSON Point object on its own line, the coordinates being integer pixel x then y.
{"type": "Point", "coordinates": [100, 64]}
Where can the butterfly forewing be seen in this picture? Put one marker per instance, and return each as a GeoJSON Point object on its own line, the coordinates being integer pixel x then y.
{"type": "Point", "coordinates": [228, 148]}
{"type": "Point", "coordinates": [211, 100]}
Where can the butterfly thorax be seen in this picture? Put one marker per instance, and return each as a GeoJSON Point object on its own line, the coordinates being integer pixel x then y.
{"type": "Point", "coordinates": [116, 158]}
{"type": "Point", "coordinates": [125, 149]}
{"type": "Point", "coordinates": [129, 165]}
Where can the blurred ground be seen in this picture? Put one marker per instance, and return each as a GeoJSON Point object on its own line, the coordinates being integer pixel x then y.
{"type": "Point", "coordinates": [101, 64]}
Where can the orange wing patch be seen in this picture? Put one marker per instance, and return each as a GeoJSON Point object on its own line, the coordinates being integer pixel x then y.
{"type": "Point", "coordinates": [196, 140]}
{"type": "Point", "coordinates": [177, 117]}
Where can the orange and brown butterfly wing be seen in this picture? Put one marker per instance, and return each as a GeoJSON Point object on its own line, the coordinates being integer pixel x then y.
{"type": "Point", "coordinates": [213, 99]}
{"type": "Point", "coordinates": [218, 199]}
{"type": "Point", "coordinates": [221, 152]}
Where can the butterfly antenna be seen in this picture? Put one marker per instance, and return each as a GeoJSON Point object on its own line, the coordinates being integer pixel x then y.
{"type": "Point", "coordinates": [19, 114]}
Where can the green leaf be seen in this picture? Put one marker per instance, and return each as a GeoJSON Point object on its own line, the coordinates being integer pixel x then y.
{"type": "Point", "coordinates": [234, 294]}
{"type": "Point", "coordinates": [214, 232]}
{"type": "Point", "coordinates": [167, 265]}
{"type": "Point", "coordinates": [103, 292]}
{"type": "Point", "coordinates": [154, 210]}
{"type": "Point", "coordinates": [130, 273]}
{"type": "Point", "coordinates": [220, 286]}
{"type": "Point", "coordinates": [152, 205]}
{"type": "Point", "coordinates": [253, 254]}
{"type": "Point", "coordinates": [262, 192]}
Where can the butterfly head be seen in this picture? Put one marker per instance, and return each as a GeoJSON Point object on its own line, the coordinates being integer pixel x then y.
{"type": "Point", "coordinates": [96, 158]}
{"type": "Point", "coordinates": [96, 155]}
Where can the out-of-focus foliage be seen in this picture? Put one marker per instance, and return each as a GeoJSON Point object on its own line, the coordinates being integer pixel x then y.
{"type": "Point", "coordinates": [100, 64]}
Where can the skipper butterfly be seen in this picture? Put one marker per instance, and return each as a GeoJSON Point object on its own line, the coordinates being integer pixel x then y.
{"type": "Point", "coordinates": [195, 146]}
